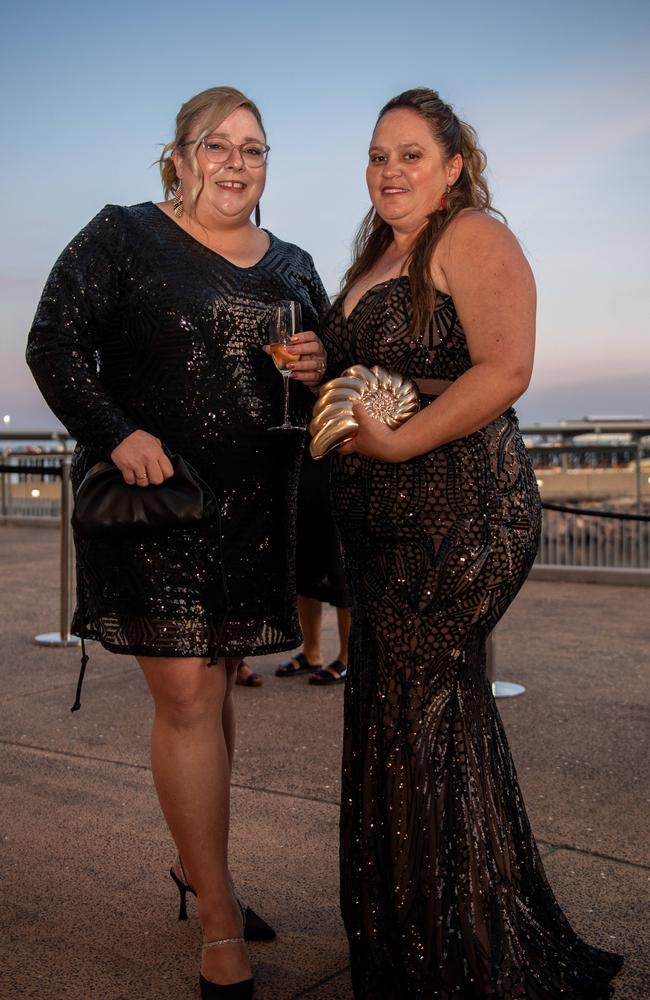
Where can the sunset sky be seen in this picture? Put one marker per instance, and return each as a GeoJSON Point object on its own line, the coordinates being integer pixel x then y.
{"type": "Point", "coordinates": [557, 92]}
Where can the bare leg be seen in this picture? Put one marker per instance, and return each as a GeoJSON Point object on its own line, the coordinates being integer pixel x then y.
{"type": "Point", "coordinates": [228, 723]}
{"type": "Point", "coordinates": [343, 620]}
{"type": "Point", "coordinates": [228, 711]}
{"type": "Point", "coordinates": [310, 611]}
{"type": "Point", "coordinates": [191, 770]}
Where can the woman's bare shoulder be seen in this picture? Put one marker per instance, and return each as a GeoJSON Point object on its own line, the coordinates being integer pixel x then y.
{"type": "Point", "coordinates": [473, 226]}
{"type": "Point", "coordinates": [474, 239]}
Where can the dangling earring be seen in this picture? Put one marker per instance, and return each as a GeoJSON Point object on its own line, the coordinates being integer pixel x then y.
{"type": "Point", "coordinates": [178, 202]}
{"type": "Point", "coordinates": [442, 200]}
{"type": "Point", "coordinates": [258, 217]}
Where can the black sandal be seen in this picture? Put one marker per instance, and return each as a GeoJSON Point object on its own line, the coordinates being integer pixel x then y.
{"type": "Point", "coordinates": [304, 666]}
{"type": "Point", "coordinates": [324, 676]}
{"type": "Point", "coordinates": [253, 680]}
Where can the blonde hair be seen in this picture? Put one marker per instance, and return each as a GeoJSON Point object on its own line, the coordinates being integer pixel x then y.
{"type": "Point", "coordinates": [470, 191]}
{"type": "Point", "coordinates": [207, 109]}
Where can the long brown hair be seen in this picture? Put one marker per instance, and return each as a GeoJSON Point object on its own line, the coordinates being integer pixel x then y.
{"type": "Point", "coordinates": [207, 109]}
{"type": "Point", "coordinates": [470, 191]}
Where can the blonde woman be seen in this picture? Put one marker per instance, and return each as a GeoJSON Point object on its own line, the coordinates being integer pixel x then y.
{"type": "Point", "coordinates": [443, 891]}
{"type": "Point", "coordinates": [150, 331]}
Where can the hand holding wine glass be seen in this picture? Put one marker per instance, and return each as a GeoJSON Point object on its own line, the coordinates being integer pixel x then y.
{"type": "Point", "coordinates": [286, 321]}
{"type": "Point", "coordinates": [308, 358]}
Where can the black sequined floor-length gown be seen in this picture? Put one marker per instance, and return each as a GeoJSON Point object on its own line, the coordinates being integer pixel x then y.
{"type": "Point", "coordinates": [443, 892]}
{"type": "Point", "coordinates": [141, 326]}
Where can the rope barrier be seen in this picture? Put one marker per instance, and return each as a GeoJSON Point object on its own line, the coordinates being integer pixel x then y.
{"type": "Point", "coordinates": [596, 513]}
{"type": "Point", "coordinates": [40, 470]}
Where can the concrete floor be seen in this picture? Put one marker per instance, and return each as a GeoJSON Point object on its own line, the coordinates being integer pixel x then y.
{"type": "Point", "coordinates": [88, 909]}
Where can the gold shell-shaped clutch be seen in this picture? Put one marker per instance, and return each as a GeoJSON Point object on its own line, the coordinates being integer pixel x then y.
{"type": "Point", "coordinates": [387, 396]}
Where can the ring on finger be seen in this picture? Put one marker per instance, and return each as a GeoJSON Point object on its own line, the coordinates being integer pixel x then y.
{"type": "Point", "coordinates": [142, 479]}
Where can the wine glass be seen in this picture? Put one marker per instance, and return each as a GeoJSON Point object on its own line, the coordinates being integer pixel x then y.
{"type": "Point", "coordinates": [286, 319]}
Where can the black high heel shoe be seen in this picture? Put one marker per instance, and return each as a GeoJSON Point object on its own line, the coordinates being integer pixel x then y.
{"type": "Point", "coordinates": [243, 990]}
{"type": "Point", "coordinates": [255, 928]}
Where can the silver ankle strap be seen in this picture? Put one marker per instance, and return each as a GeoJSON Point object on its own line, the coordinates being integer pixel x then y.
{"type": "Point", "coordinates": [212, 944]}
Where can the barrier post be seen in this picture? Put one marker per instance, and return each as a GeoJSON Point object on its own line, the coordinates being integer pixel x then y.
{"type": "Point", "coordinates": [64, 637]}
{"type": "Point", "coordinates": [6, 481]}
{"type": "Point", "coordinates": [500, 689]}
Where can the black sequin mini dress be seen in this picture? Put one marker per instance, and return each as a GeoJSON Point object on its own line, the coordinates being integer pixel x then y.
{"type": "Point", "coordinates": [141, 326]}
{"type": "Point", "coordinates": [443, 891]}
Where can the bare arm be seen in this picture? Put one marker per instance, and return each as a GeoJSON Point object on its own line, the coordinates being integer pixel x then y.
{"type": "Point", "coordinates": [494, 293]}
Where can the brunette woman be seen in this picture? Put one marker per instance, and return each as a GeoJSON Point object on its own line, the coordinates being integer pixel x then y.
{"type": "Point", "coordinates": [443, 891]}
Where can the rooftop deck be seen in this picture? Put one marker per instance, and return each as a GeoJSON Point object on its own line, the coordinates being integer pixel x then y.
{"type": "Point", "coordinates": [89, 910]}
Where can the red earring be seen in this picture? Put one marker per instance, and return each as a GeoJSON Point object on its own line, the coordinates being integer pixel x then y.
{"type": "Point", "coordinates": [442, 203]}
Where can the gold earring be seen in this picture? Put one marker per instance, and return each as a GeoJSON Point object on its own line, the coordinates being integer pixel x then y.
{"type": "Point", "coordinates": [178, 202]}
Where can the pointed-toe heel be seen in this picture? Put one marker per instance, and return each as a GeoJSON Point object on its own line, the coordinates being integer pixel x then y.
{"type": "Point", "coordinates": [235, 991]}
{"type": "Point", "coordinates": [255, 927]}
{"type": "Point", "coordinates": [243, 990]}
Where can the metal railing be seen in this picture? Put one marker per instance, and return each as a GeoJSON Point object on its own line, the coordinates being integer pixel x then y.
{"type": "Point", "coordinates": [28, 469]}
{"type": "Point", "coordinates": [595, 539]}
{"type": "Point", "coordinates": [571, 537]}
{"type": "Point", "coordinates": [30, 485]}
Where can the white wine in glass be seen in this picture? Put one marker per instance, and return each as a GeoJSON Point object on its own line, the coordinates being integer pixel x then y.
{"type": "Point", "coordinates": [286, 319]}
{"type": "Point", "coordinates": [281, 356]}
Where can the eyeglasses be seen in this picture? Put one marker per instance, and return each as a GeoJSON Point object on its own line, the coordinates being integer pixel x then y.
{"type": "Point", "coordinates": [218, 151]}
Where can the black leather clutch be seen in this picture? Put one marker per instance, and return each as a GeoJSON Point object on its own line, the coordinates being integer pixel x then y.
{"type": "Point", "coordinates": [107, 506]}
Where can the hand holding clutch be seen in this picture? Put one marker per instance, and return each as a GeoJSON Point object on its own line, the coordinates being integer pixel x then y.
{"type": "Point", "coordinates": [387, 396]}
{"type": "Point", "coordinates": [107, 507]}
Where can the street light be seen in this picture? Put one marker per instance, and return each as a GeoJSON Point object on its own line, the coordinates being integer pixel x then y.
{"type": "Point", "coordinates": [6, 419]}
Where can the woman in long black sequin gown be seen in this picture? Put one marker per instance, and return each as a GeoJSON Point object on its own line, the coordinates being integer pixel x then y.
{"type": "Point", "coordinates": [442, 888]}
{"type": "Point", "coordinates": [151, 328]}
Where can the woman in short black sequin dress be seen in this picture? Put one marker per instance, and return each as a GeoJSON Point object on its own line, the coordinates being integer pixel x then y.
{"type": "Point", "coordinates": [180, 355]}
{"type": "Point", "coordinates": [151, 328]}
{"type": "Point", "coordinates": [443, 891]}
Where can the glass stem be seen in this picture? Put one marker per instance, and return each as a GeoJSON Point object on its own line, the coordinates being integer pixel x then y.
{"type": "Point", "coordinates": [286, 399]}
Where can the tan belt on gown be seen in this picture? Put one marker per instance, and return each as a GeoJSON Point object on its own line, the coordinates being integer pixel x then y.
{"type": "Point", "coordinates": [431, 386]}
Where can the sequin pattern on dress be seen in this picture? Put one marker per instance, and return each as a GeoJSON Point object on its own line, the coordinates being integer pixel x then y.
{"type": "Point", "coordinates": [141, 326]}
{"type": "Point", "coordinates": [443, 892]}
